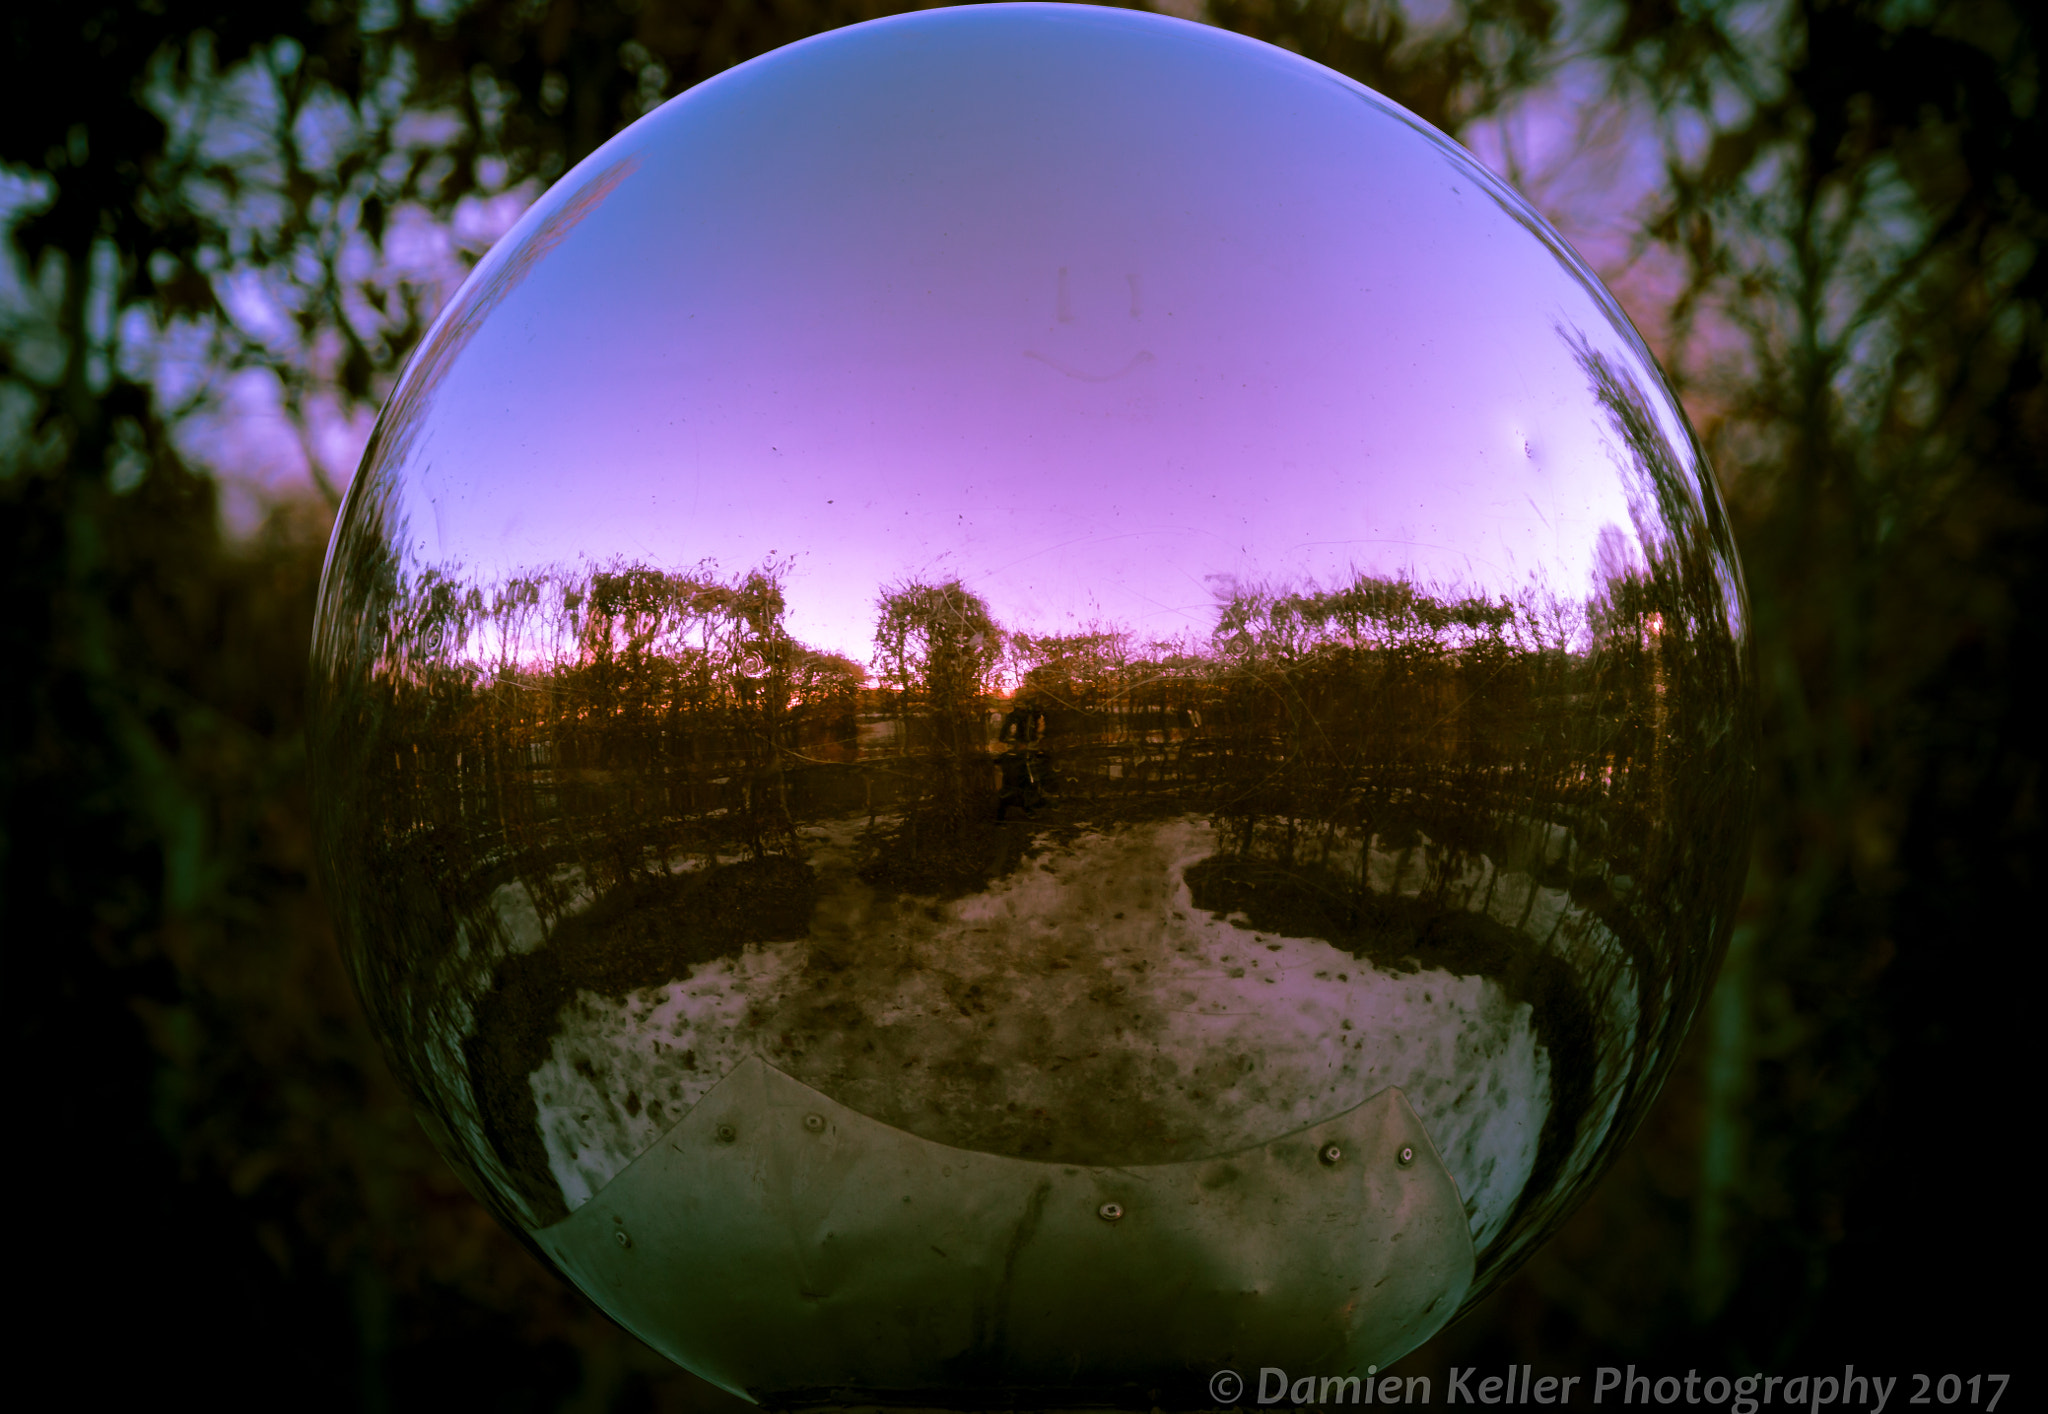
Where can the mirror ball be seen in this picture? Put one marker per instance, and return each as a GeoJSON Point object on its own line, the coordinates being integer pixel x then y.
{"type": "Point", "coordinates": [1025, 702]}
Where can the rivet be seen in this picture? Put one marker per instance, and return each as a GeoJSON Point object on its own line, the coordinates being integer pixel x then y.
{"type": "Point", "coordinates": [726, 1133]}
{"type": "Point", "coordinates": [1331, 1153]}
{"type": "Point", "coordinates": [1406, 1156]}
{"type": "Point", "coordinates": [623, 1239]}
{"type": "Point", "coordinates": [1110, 1212]}
{"type": "Point", "coordinates": [815, 1123]}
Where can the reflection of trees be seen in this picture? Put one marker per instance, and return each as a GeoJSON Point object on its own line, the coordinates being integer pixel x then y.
{"type": "Point", "coordinates": [935, 646]}
{"type": "Point", "coordinates": [644, 755]}
{"type": "Point", "coordinates": [658, 710]}
{"type": "Point", "coordinates": [612, 743]}
{"type": "Point", "coordinates": [1379, 756]}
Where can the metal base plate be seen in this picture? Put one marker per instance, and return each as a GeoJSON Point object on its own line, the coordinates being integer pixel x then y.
{"type": "Point", "coordinates": [794, 1251]}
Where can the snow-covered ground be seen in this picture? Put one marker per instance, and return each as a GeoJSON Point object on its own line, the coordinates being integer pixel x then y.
{"type": "Point", "coordinates": [1080, 1009]}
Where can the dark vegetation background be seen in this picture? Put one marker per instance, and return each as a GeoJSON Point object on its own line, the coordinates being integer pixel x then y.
{"type": "Point", "coordinates": [219, 1193]}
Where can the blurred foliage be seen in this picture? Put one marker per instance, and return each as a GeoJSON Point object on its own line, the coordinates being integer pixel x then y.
{"type": "Point", "coordinates": [1853, 206]}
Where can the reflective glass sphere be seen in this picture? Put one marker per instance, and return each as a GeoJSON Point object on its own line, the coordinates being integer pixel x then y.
{"type": "Point", "coordinates": [1012, 690]}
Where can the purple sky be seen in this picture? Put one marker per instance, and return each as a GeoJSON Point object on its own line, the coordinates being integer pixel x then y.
{"type": "Point", "coordinates": [1084, 307]}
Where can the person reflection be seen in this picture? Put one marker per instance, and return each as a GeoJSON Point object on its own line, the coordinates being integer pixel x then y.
{"type": "Point", "coordinates": [1023, 723]}
{"type": "Point", "coordinates": [1023, 767]}
{"type": "Point", "coordinates": [1024, 781]}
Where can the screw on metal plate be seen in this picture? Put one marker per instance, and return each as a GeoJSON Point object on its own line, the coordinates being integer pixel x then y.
{"type": "Point", "coordinates": [815, 1123]}
{"type": "Point", "coordinates": [1110, 1212]}
{"type": "Point", "coordinates": [623, 1239]}
{"type": "Point", "coordinates": [725, 1133]}
{"type": "Point", "coordinates": [1331, 1153]}
{"type": "Point", "coordinates": [1406, 1156]}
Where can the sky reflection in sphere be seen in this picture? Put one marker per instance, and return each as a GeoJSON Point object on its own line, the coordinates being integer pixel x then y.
{"type": "Point", "coordinates": [888, 325]}
{"type": "Point", "coordinates": [951, 547]}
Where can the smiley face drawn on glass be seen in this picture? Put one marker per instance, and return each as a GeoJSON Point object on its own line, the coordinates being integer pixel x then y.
{"type": "Point", "coordinates": [1084, 346]}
